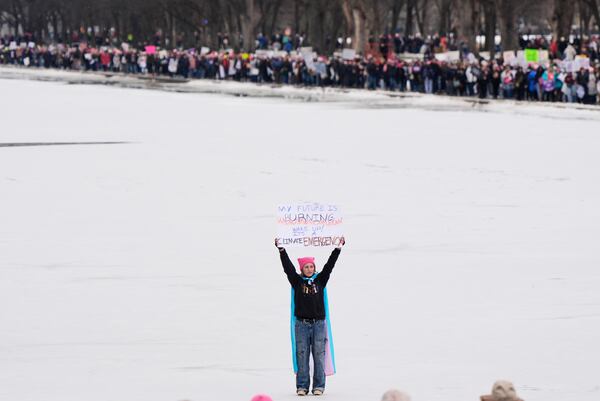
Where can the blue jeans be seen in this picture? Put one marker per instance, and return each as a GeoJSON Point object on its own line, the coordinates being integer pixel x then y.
{"type": "Point", "coordinates": [371, 82]}
{"type": "Point", "coordinates": [428, 85]}
{"type": "Point", "coordinates": [311, 337]}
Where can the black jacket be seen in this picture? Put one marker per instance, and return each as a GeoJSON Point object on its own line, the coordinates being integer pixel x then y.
{"type": "Point", "coordinates": [308, 294]}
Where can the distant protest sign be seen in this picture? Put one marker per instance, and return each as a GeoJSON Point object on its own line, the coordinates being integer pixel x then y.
{"type": "Point", "coordinates": [262, 53]}
{"type": "Point", "coordinates": [521, 61]}
{"type": "Point", "coordinates": [309, 224]}
{"type": "Point", "coordinates": [309, 58]}
{"type": "Point", "coordinates": [581, 62]}
{"type": "Point", "coordinates": [532, 55]}
{"type": "Point", "coordinates": [150, 49]}
{"type": "Point", "coordinates": [348, 54]}
{"type": "Point", "coordinates": [441, 57]}
{"type": "Point", "coordinates": [410, 56]}
{"type": "Point", "coordinates": [485, 55]}
{"type": "Point", "coordinates": [454, 56]}
{"type": "Point", "coordinates": [508, 56]}
{"type": "Point", "coordinates": [569, 66]}
{"type": "Point", "coordinates": [448, 57]}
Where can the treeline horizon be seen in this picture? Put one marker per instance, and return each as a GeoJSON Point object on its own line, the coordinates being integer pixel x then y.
{"type": "Point", "coordinates": [188, 23]}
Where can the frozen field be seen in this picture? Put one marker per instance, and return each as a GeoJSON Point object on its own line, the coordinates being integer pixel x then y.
{"type": "Point", "coordinates": [145, 270]}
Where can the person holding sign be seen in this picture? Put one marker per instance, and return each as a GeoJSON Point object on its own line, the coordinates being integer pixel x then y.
{"type": "Point", "coordinates": [311, 328]}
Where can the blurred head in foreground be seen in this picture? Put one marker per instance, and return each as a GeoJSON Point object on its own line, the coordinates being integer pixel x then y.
{"type": "Point", "coordinates": [261, 397]}
{"type": "Point", "coordinates": [395, 395]}
{"type": "Point", "coordinates": [502, 390]}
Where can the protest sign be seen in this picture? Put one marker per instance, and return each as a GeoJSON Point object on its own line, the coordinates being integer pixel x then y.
{"type": "Point", "coordinates": [309, 224]}
{"type": "Point", "coordinates": [204, 50]}
{"type": "Point", "coordinates": [448, 56]}
{"type": "Point", "coordinates": [453, 56]}
{"type": "Point", "coordinates": [150, 49]}
{"type": "Point", "coordinates": [532, 56]}
{"type": "Point", "coordinates": [125, 46]}
{"type": "Point", "coordinates": [410, 56]}
{"type": "Point", "coordinates": [309, 57]}
{"type": "Point", "coordinates": [348, 54]}
{"type": "Point", "coordinates": [261, 53]}
{"type": "Point", "coordinates": [521, 59]}
{"type": "Point", "coordinates": [568, 66]}
{"type": "Point", "coordinates": [441, 57]}
{"type": "Point", "coordinates": [508, 56]}
{"type": "Point", "coordinates": [581, 62]}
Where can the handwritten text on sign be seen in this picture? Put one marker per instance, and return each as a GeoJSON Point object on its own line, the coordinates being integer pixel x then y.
{"type": "Point", "coordinates": [309, 224]}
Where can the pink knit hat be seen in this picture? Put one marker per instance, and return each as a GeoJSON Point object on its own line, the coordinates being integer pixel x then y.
{"type": "Point", "coordinates": [261, 397]}
{"type": "Point", "coordinates": [305, 260]}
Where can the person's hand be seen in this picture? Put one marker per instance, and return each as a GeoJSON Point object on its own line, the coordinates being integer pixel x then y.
{"type": "Point", "coordinates": [342, 243]}
{"type": "Point", "coordinates": [281, 249]}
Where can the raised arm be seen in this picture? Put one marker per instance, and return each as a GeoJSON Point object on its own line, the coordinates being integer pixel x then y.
{"type": "Point", "coordinates": [328, 268]}
{"type": "Point", "coordinates": [288, 266]}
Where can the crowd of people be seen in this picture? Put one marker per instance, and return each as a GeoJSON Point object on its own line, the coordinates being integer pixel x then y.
{"type": "Point", "coordinates": [384, 66]}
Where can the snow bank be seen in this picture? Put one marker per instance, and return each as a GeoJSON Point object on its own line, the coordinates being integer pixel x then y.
{"type": "Point", "coordinates": [364, 98]}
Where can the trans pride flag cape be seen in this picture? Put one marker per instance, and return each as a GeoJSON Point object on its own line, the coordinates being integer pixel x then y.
{"type": "Point", "coordinates": [329, 354]}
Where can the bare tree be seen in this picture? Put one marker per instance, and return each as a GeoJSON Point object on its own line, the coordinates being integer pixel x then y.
{"type": "Point", "coordinates": [562, 17]}
{"type": "Point", "coordinates": [396, 8]}
{"type": "Point", "coordinates": [594, 8]}
{"type": "Point", "coordinates": [444, 8]}
{"type": "Point", "coordinates": [468, 23]}
{"type": "Point", "coordinates": [408, 25]}
{"type": "Point", "coordinates": [489, 23]}
{"type": "Point", "coordinates": [421, 8]}
{"type": "Point", "coordinates": [191, 22]}
{"type": "Point", "coordinates": [355, 13]}
{"type": "Point", "coordinates": [507, 10]}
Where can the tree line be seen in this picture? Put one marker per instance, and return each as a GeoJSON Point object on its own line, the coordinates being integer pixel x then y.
{"type": "Point", "coordinates": [173, 23]}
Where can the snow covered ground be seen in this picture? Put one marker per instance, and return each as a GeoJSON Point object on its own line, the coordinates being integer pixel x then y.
{"type": "Point", "coordinates": [145, 270]}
